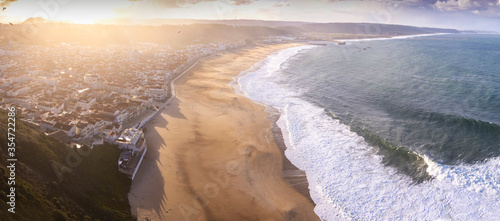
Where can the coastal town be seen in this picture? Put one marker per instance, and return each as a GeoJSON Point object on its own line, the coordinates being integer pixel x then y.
{"type": "Point", "coordinates": [83, 95]}
{"type": "Point", "coordinates": [200, 110]}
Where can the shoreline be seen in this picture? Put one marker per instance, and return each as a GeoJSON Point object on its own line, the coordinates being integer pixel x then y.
{"type": "Point", "coordinates": [199, 163]}
{"type": "Point", "coordinates": [294, 176]}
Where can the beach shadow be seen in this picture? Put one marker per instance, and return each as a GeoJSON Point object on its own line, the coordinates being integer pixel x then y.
{"type": "Point", "coordinates": [172, 109]}
{"type": "Point", "coordinates": [149, 169]}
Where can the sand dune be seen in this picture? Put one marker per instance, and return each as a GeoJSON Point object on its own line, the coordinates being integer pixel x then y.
{"type": "Point", "coordinates": [212, 154]}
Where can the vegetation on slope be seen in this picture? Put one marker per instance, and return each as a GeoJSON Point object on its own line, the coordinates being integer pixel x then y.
{"type": "Point", "coordinates": [92, 189]}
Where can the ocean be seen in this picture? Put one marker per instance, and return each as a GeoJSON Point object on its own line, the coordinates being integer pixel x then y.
{"type": "Point", "coordinates": [395, 129]}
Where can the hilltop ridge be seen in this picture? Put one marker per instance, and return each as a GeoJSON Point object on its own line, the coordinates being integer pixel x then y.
{"type": "Point", "coordinates": [180, 33]}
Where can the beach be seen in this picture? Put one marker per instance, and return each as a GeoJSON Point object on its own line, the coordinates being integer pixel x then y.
{"type": "Point", "coordinates": [216, 155]}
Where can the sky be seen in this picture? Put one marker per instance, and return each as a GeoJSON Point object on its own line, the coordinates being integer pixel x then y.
{"type": "Point", "coordinates": [459, 14]}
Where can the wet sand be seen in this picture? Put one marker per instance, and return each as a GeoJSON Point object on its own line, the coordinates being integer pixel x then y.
{"type": "Point", "coordinates": [212, 154]}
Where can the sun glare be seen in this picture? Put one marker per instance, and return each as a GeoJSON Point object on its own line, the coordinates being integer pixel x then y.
{"type": "Point", "coordinates": [80, 12]}
{"type": "Point", "coordinates": [82, 20]}
{"type": "Point", "coordinates": [85, 18]}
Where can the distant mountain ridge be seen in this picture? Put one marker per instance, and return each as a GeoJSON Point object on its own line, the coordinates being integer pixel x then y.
{"type": "Point", "coordinates": [178, 33]}
{"type": "Point", "coordinates": [35, 20]}
{"type": "Point", "coordinates": [371, 28]}
{"type": "Point", "coordinates": [232, 22]}
{"type": "Point", "coordinates": [290, 26]}
{"type": "Point", "coordinates": [332, 27]}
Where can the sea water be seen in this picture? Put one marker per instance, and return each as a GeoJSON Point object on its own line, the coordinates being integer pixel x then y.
{"type": "Point", "coordinates": [399, 129]}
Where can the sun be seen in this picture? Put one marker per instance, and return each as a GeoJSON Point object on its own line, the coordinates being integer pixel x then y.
{"type": "Point", "coordinates": [80, 12]}
{"type": "Point", "coordinates": [88, 12]}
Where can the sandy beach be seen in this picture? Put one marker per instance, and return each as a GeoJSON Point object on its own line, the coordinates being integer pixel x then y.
{"type": "Point", "coordinates": [213, 154]}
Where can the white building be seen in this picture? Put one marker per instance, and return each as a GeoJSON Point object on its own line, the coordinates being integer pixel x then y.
{"type": "Point", "coordinates": [48, 81]}
{"type": "Point", "coordinates": [146, 101]}
{"type": "Point", "coordinates": [18, 92]}
{"type": "Point", "coordinates": [68, 129]}
{"type": "Point", "coordinates": [131, 139]}
{"type": "Point", "coordinates": [55, 108]}
{"type": "Point", "coordinates": [158, 93]}
{"type": "Point", "coordinates": [90, 78]}
{"type": "Point", "coordinates": [84, 130]}
{"type": "Point", "coordinates": [21, 78]}
{"type": "Point", "coordinates": [87, 103]}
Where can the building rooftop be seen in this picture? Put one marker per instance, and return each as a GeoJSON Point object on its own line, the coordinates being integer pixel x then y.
{"type": "Point", "coordinates": [130, 136]}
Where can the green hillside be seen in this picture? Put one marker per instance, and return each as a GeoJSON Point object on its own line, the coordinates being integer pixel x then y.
{"type": "Point", "coordinates": [89, 189]}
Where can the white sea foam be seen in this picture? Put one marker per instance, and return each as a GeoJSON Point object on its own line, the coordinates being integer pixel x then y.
{"type": "Point", "coordinates": [347, 180]}
{"type": "Point", "coordinates": [391, 38]}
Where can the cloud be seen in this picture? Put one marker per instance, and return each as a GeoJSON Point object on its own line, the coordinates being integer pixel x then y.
{"type": "Point", "coordinates": [281, 4]}
{"type": "Point", "coordinates": [464, 5]}
{"type": "Point", "coordinates": [179, 3]}
{"type": "Point", "coordinates": [241, 2]}
{"type": "Point", "coordinates": [448, 5]}
{"type": "Point", "coordinates": [172, 3]}
{"type": "Point", "coordinates": [474, 6]}
{"type": "Point", "coordinates": [410, 3]}
{"type": "Point", "coordinates": [5, 3]}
